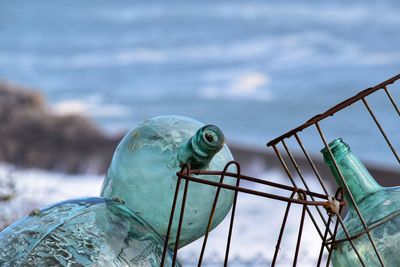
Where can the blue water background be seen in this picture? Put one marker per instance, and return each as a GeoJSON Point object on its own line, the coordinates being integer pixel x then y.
{"type": "Point", "coordinates": [255, 68]}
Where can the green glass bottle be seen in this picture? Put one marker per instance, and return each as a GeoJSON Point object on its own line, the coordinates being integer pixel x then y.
{"type": "Point", "coordinates": [82, 232]}
{"type": "Point", "coordinates": [143, 174]}
{"type": "Point", "coordinates": [380, 207]}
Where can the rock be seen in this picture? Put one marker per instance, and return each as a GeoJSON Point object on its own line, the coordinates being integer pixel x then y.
{"type": "Point", "coordinates": [31, 135]}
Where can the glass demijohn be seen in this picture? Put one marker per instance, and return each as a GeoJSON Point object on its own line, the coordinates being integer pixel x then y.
{"type": "Point", "coordinates": [82, 232]}
{"type": "Point", "coordinates": [143, 174]}
{"type": "Point", "coordinates": [380, 207]}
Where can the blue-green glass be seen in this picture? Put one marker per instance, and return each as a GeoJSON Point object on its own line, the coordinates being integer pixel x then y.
{"type": "Point", "coordinates": [82, 232]}
{"type": "Point", "coordinates": [143, 174]}
{"type": "Point", "coordinates": [380, 207]}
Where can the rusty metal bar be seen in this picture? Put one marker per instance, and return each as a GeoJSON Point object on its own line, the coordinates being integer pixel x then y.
{"type": "Point", "coordinates": [338, 191]}
{"type": "Point", "coordinates": [283, 225]}
{"type": "Point", "coordinates": [371, 227]}
{"type": "Point", "coordinates": [381, 129]}
{"type": "Point", "coordinates": [323, 245]}
{"type": "Point", "coordinates": [303, 213]}
{"type": "Point", "coordinates": [214, 206]}
{"type": "Point", "coordinates": [254, 192]}
{"type": "Point", "coordinates": [334, 109]}
{"type": "Point", "coordinates": [311, 163]}
{"type": "Point", "coordinates": [285, 167]}
{"type": "Point", "coordinates": [178, 234]}
{"type": "Point", "coordinates": [255, 180]}
{"type": "Point", "coordinates": [349, 193]}
{"type": "Point", "coordinates": [228, 242]}
{"type": "Point", "coordinates": [297, 167]}
{"type": "Point", "coordinates": [392, 100]}
{"type": "Point", "coordinates": [171, 218]}
{"type": "Point", "coordinates": [351, 241]}
{"type": "Point", "coordinates": [294, 184]}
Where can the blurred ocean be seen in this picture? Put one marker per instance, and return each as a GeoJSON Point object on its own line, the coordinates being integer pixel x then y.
{"type": "Point", "coordinates": [255, 68]}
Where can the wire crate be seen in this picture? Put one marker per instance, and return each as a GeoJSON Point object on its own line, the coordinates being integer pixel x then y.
{"type": "Point", "coordinates": [322, 206]}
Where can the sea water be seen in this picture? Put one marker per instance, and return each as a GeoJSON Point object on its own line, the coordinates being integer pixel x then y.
{"type": "Point", "coordinates": [255, 68]}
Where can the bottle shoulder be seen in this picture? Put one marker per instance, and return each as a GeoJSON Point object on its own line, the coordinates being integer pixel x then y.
{"type": "Point", "coordinates": [374, 208]}
{"type": "Point", "coordinates": [96, 227]}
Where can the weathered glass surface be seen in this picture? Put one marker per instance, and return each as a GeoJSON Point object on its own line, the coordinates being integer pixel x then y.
{"type": "Point", "coordinates": [380, 207]}
{"type": "Point", "coordinates": [81, 232]}
{"type": "Point", "coordinates": [143, 173]}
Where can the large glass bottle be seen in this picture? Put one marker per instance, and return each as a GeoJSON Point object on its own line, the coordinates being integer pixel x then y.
{"type": "Point", "coordinates": [380, 207]}
{"type": "Point", "coordinates": [143, 174]}
{"type": "Point", "coordinates": [82, 232]}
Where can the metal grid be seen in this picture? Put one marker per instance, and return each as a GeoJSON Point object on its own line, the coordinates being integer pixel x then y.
{"type": "Point", "coordinates": [315, 205]}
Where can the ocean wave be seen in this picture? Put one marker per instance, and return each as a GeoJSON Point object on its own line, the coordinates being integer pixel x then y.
{"type": "Point", "coordinates": [306, 11]}
{"type": "Point", "coordinates": [100, 58]}
{"type": "Point", "coordinates": [310, 48]}
{"type": "Point", "coordinates": [120, 58]}
{"type": "Point", "coordinates": [323, 12]}
{"type": "Point", "coordinates": [250, 85]}
{"type": "Point", "coordinates": [90, 105]}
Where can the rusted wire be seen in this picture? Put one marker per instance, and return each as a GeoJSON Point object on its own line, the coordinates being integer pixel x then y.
{"type": "Point", "coordinates": [381, 129]}
{"type": "Point", "coordinates": [305, 197]}
{"type": "Point", "coordinates": [392, 100]}
{"type": "Point", "coordinates": [214, 206]}
{"type": "Point", "coordinates": [370, 228]}
{"type": "Point", "coordinates": [346, 232]}
{"type": "Point", "coordinates": [254, 180]}
{"type": "Point", "coordinates": [171, 218]}
{"type": "Point", "coordinates": [360, 97]}
{"type": "Point", "coordinates": [300, 234]}
{"type": "Point", "coordinates": [297, 167]}
{"type": "Point", "coordinates": [295, 185]}
{"type": "Point", "coordinates": [283, 225]}
{"type": "Point", "coordinates": [310, 161]}
{"type": "Point", "coordinates": [228, 241]}
{"type": "Point", "coordinates": [188, 175]}
{"type": "Point", "coordinates": [178, 234]}
{"type": "Point", "coordinates": [339, 191]}
{"type": "Point", "coordinates": [254, 192]}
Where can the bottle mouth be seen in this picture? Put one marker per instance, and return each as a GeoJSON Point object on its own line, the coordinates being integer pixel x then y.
{"type": "Point", "coordinates": [209, 139]}
{"type": "Point", "coordinates": [338, 148]}
{"type": "Point", "coordinates": [213, 136]}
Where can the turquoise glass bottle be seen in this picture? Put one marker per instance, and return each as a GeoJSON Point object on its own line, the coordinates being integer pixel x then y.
{"type": "Point", "coordinates": [143, 174]}
{"type": "Point", "coordinates": [380, 207]}
{"type": "Point", "coordinates": [82, 232]}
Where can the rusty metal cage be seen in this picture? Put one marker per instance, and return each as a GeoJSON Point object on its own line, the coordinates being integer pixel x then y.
{"type": "Point", "coordinates": [323, 206]}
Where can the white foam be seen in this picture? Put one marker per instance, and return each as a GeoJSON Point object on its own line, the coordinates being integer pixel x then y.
{"type": "Point", "coordinates": [91, 105]}
{"type": "Point", "coordinates": [330, 12]}
{"type": "Point", "coordinates": [285, 51]}
{"type": "Point", "coordinates": [37, 188]}
{"type": "Point", "coordinates": [249, 85]}
{"type": "Point", "coordinates": [118, 58]}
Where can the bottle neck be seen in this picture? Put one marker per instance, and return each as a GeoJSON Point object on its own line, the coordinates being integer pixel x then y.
{"type": "Point", "coordinates": [199, 150]}
{"type": "Point", "coordinates": [358, 179]}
